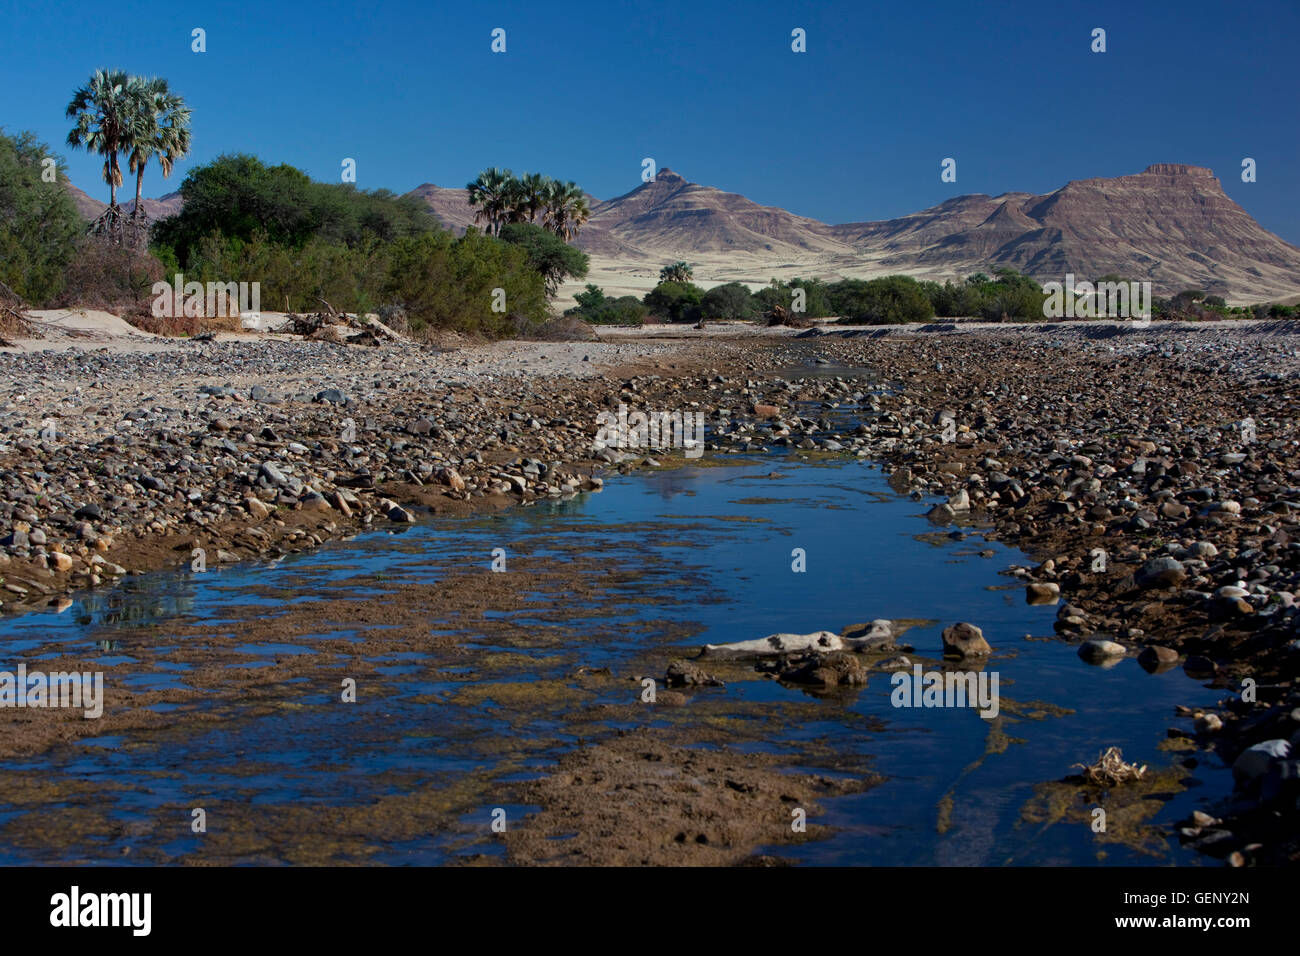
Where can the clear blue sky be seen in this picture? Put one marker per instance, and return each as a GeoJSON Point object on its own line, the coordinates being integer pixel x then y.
{"type": "Point", "coordinates": [853, 129]}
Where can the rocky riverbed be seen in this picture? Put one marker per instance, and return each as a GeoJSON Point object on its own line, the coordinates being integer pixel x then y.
{"type": "Point", "coordinates": [1152, 474]}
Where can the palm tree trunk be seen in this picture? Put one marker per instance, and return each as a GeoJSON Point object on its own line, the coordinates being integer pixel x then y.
{"type": "Point", "coordinates": [139, 188]}
{"type": "Point", "coordinates": [112, 180]}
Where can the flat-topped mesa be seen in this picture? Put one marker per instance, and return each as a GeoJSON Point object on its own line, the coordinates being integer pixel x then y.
{"type": "Point", "coordinates": [1179, 169]}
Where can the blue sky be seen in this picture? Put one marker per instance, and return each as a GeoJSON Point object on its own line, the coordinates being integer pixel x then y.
{"type": "Point", "coordinates": [853, 129]}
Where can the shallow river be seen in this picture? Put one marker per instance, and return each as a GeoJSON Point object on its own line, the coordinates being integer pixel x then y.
{"type": "Point", "coordinates": [671, 560]}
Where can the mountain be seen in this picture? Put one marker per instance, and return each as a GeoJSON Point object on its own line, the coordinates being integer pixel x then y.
{"type": "Point", "coordinates": [450, 206]}
{"type": "Point", "coordinates": [671, 217]}
{"type": "Point", "coordinates": [1171, 225]}
{"type": "Point", "coordinates": [160, 208]}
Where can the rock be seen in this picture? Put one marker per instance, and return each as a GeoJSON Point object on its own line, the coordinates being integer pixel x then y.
{"type": "Point", "coordinates": [766, 411]}
{"type": "Point", "coordinates": [941, 513]}
{"type": "Point", "coordinates": [271, 473]}
{"type": "Point", "coordinates": [256, 508]}
{"type": "Point", "coordinates": [90, 512]}
{"type": "Point", "coordinates": [1156, 657]}
{"type": "Point", "coordinates": [399, 514]}
{"type": "Point", "coordinates": [58, 561]}
{"type": "Point", "coordinates": [960, 501]}
{"type": "Point", "coordinates": [878, 635]}
{"type": "Point", "coordinates": [1161, 572]}
{"type": "Point", "coordinates": [1208, 724]}
{"type": "Point", "coordinates": [1255, 761]}
{"type": "Point", "coordinates": [1101, 650]}
{"type": "Point", "coordinates": [1199, 666]}
{"type": "Point", "coordinates": [774, 645]}
{"type": "Point", "coordinates": [828, 670]}
{"type": "Point", "coordinates": [682, 673]}
{"type": "Point", "coordinates": [1043, 593]}
{"type": "Point", "coordinates": [333, 396]}
{"type": "Point", "coordinates": [16, 539]}
{"type": "Point", "coordinates": [965, 640]}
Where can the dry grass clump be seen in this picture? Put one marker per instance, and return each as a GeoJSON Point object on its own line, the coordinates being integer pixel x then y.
{"type": "Point", "coordinates": [1111, 769]}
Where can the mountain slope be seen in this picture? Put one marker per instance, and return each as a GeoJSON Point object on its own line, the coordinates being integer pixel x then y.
{"type": "Point", "coordinates": [1171, 225]}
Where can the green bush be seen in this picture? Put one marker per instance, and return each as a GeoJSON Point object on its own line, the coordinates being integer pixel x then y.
{"type": "Point", "coordinates": [730, 301]}
{"type": "Point", "coordinates": [675, 301]}
{"type": "Point", "coordinates": [889, 300]}
{"type": "Point", "coordinates": [597, 308]}
{"type": "Point", "coordinates": [239, 196]}
{"type": "Point", "coordinates": [39, 224]}
{"type": "Point", "coordinates": [550, 255]}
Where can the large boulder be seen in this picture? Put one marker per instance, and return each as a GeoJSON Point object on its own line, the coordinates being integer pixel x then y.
{"type": "Point", "coordinates": [965, 640]}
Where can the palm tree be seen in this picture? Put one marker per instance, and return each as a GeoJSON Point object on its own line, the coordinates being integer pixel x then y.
{"type": "Point", "coordinates": [102, 109]}
{"type": "Point", "coordinates": [492, 194]}
{"type": "Point", "coordinates": [566, 209]}
{"type": "Point", "coordinates": [534, 188]}
{"type": "Point", "coordinates": [159, 127]}
{"type": "Point", "coordinates": [677, 272]}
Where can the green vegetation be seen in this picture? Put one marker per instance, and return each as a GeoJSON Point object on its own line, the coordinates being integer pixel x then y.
{"type": "Point", "coordinates": [816, 297]}
{"type": "Point", "coordinates": [676, 272]}
{"type": "Point", "coordinates": [550, 255]}
{"type": "Point", "coordinates": [889, 300]}
{"type": "Point", "coordinates": [1007, 296]}
{"type": "Point", "coordinates": [141, 119]}
{"type": "Point", "coordinates": [39, 225]}
{"type": "Point", "coordinates": [238, 196]}
{"type": "Point", "coordinates": [501, 198]}
{"type": "Point", "coordinates": [675, 301]}
{"type": "Point", "coordinates": [597, 308]}
{"type": "Point", "coordinates": [730, 301]}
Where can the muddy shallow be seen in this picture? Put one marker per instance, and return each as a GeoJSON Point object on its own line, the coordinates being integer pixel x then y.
{"type": "Point", "coordinates": [517, 697]}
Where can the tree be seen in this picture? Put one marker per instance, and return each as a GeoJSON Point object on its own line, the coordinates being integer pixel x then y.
{"type": "Point", "coordinates": [103, 111]}
{"type": "Point", "coordinates": [39, 225]}
{"type": "Point", "coordinates": [730, 301]}
{"type": "Point", "coordinates": [889, 300]}
{"type": "Point", "coordinates": [675, 301]}
{"type": "Point", "coordinates": [238, 196]}
{"type": "Point", "coordinates": [676, 272]}
{"type": "Point", "coordinates": [550, 255]}
{"type": "Point", "coordinates": [597, 308]}
{"type": "Point", "coordinates": [532, 194]}
{"type": "Point", "coordinates": [159, 126]}
{"type": "Point", "coordinates": [494, 193]}
{"type": "Point", "coordinates": [566, 209]}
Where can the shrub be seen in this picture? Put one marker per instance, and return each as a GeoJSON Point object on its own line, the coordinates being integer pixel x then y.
{"type": "Point", "coordinates": [238, 196]}
{"type": "Point", "coordinates": [730, 301]}
{"type": "Point", "coordinates": [106, 275]}
{"type": "Point", "coordinates": [39, 224]}
{"type": "Point", "coordinates": [889, 300]}
{"type": "Point", "coordinates": [550, 255]}
{"type": "Point", "coordinates": [675, 301]}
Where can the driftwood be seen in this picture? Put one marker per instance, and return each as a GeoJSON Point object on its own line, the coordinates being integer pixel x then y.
{"type": "Point", "coordinates": [878, 635]}
{"type": "Point", "coordinates": [14, 320]}
{"type": "Point", "coordinates": [340, 328]}
{"type": "Point", "coordinates": [780, 315]}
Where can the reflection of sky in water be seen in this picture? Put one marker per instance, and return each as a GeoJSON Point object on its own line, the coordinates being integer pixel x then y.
{"type": "Point", "coordinates": [731, 578]}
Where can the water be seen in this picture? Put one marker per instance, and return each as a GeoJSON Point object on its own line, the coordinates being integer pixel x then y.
{"type": "Point", "coordinates": [457, 699]}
